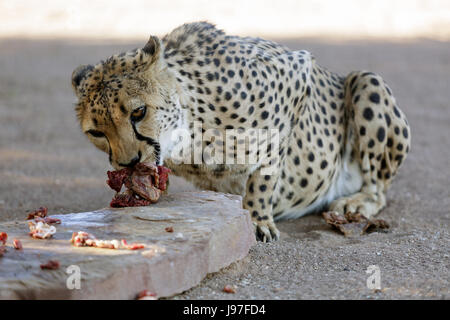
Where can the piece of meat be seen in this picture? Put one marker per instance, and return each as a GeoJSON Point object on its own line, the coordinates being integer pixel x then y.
{"type": "Point", "coordinates": [144, 184]}
{"type": "Point", "coordinates": [229, 289]}
{"type": "Point", "coordinates": [144, 187]}
{"type": "Point", "coordinates": [352, 224]}
{"type": "Point", "coordinates": [351, 228]}
{"type": "Point", "coordinates": [48, 220]}
{"type": "Point", "coordinates": [117, 178]}
{"type": "Point", "coordinates": [342, 223]}
{"type": "Point", "coordinates": [132, 246]}
{"type": "Point", "coordinates": [105, 244]}
{"type": "Point", "coordinates": [121, 200]}
{"type": "Point", "coordinates": [50, 265]}
{"type": "Point", "coordinates": [163, 173]}
{"type": "Point", "coordinates": [79, 238]}
{"type": "Point", "coordinates": [3, 237]}
{"type": "Point", "coordinates": [41, 230]}
{"type": "Point", "coordinates": [144, 181]}
{"type": "Point", "coordinates": [375, 225]}
{"type": "Point", "coordinates": [41, 213]}
{"type": "Point", "coordinates": [147, 295]}
{"type": "Point", "coordinates": [84, 239]}
{"type": "Point", "coordinates": [17, 244]}
{"type": "Point", "coordinates": [169, 229]}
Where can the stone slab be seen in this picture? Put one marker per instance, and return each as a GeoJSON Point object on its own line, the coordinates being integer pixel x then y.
{"type": "Point", "coordinates": [211, 230]}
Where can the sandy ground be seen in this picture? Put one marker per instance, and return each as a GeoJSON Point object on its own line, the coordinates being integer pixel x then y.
{"type": "Point", "coordinates": [45, 160]}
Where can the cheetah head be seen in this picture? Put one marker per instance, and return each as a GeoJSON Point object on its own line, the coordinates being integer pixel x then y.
{"type": "Point", "coordinates": [128, 104]}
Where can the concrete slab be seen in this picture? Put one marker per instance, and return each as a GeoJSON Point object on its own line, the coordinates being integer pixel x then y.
{"type": "Point", "coordinates": [210, 231]}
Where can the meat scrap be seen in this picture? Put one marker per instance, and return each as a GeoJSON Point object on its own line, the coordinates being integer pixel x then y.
{"type": "Point", "coordinates": [354, 223]}
{"type": "Point", "coordinates": [117, 178]}
{"type": "Point", "coordinates": [2, 251]}
{"type": "Point", "coordinates": [48, 220]}
{"type": "Point", "coordinates": [132, 246]}
{"type": "Point", "coordinates": [3, 237]}
{"type": "Point", "coordinates": [375, 225]}
{"type": "Point", "coordinates": [144, 184]}
{"type": "Point", "coordinates": [169, 229]}
{"type": "Point", "coordinates": [79, 238]}
{"type": "Point", "coordinates": [105, 244]}
{"type": "Point", "coordinates": [147, 295]}
{"type": "Point", "coordinates": [229, 289]}
{"type": "Point", "coordinates": [128, 199]}
{"type": "Point", "coordinates": [17, 244]}
{"type": "Point", "coordinates": [41, 213]}
{"type": "Point", "coordinates": [50, 265]}
{"type": "Point", "coordinates": [84, 239]}
{"type": "Point", "coordinates": [41, 230]}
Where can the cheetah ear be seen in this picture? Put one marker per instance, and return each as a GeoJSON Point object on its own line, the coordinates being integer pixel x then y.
{"type": "Point", "coordinates": [151, 52]}
{"type": "Point", "coordinates": [78, 75]}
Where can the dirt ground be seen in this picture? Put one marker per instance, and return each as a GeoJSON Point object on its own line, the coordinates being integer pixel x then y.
{"type": "Point", "coordinates": [45, 160]}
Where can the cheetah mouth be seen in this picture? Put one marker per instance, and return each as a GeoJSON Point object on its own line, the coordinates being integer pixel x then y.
{"type": "Point", "coordinates": [151, 156]}
{"type": "Point", "coordinates": [149, 160]}
{"type": "Point", "coordinates": [151, 142]}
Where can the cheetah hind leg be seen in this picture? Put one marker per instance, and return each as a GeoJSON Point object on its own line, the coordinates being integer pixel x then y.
{"type": "Point", "coordinates": [370, 199]}
{"type": "Point", "coordinates": [377, 137]}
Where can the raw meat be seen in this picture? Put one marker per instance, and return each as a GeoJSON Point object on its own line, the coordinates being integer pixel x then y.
{"type": "Point", "coordinates": [41, 213]}
{"type": "Point", "coordinates": [50, 265]}
{"type": "Point", "coordinates": [84, 239]}
{"type": "Point", "coordinates": [128, 200]}
{"type": "Point", "coordinates": [17, 244]}
{"type": "Point", "coordinates": [117, 178]}
{"type": "Point", "coordinates": [48, 220]}
{"type": "Point", "coordinates": [144, 184]}
{"type": "Point", "coordinates": [353, 223]}
{"type": "Point", "coordinates": [147, 295]}
{"type": "Point", "coordinates": [229, 289]}
{"type": "Point", "coordinates": [132, 246]}
{"type": "Point", "coordinates": [41, 230]}
{"type": "Point", "coordinates": [3, 237]}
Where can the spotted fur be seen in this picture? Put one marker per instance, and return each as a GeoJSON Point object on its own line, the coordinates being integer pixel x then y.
{"type": "Point", "coordinates": [342, 139]}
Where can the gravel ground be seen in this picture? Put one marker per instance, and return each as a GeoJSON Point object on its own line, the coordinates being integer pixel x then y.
{"type": "Point", "coordinates": [45, 160]}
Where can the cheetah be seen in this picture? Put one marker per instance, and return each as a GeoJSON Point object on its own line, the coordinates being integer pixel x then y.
{"type": "Point", "coordinates": [340, 139]}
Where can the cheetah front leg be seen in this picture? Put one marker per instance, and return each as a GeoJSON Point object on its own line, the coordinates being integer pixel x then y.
{"type": "Point", "coordinates": [378, 138]}
{"type": "Point", "coordinates": [258, 201]}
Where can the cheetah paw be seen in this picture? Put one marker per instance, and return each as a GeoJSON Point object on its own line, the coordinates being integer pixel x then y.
{"type": "Point", "coordinates": [266, 231]}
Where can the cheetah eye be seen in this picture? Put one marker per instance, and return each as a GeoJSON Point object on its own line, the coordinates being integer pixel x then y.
{"type": "Point", "coordinates": [96, 133]}
{"type": "Point", "coordinates": [138, 114]}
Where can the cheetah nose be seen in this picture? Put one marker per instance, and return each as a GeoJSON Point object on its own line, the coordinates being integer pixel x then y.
{"type": "Point", "coordinates": [133, 161]}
